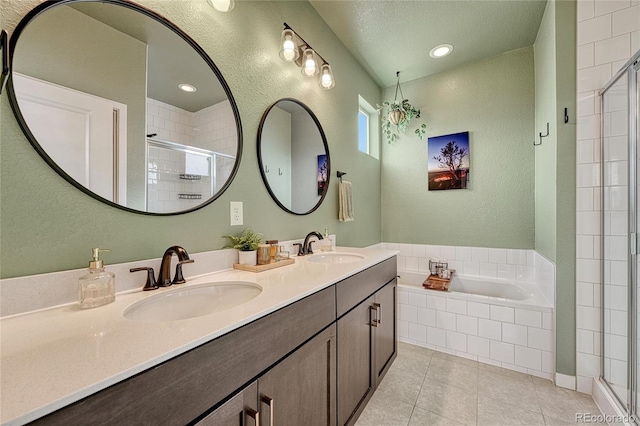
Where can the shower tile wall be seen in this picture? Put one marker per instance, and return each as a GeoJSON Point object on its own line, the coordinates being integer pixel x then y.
{"type": "Point", "coordinates": [212, 128]}
{"type": "Point", "coordinates": [164, 183]}
{"type": "Point", "coordinates": [608, 34]}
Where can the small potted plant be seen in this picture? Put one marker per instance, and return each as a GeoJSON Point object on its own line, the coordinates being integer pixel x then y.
{"type": "Point", "coordinates": [247, 243]}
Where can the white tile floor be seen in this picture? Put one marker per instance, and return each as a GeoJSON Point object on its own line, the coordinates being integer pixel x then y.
{"type": "Point", "coordinates": [424, 387]}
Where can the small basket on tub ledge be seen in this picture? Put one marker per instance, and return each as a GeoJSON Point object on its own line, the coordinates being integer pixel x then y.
{"type": "Point", "coordinates": [440, 276]}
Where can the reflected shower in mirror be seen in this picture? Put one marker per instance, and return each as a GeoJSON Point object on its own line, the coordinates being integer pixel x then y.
{"type": "Point", "coordinates": [294, 156]}
{"type": "Point", "coordinates": [124, 105]}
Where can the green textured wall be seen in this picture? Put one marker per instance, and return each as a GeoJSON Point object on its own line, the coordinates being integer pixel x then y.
{"type": "Point", "coordinates": [47, 225]}
{"type": "Point", "coordinates": [545, 154]}
{"type": "Point", "coordinates": [566, 188]}
{"type": "Point", "coordinates": [493, 99]}
{"type": "Point", "coordinates": [555, 58]}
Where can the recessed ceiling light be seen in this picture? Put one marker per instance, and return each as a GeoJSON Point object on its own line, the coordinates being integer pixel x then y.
{"type": "Point", "coordinates": [441, 51]}
{"type": "Point", "coordinates": [187, 87]}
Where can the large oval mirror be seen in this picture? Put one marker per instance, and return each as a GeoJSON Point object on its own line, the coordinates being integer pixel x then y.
{"type": "Point", "coordinates": [294, 156]}
{"type": "Point", "coordinates": [124, 105]}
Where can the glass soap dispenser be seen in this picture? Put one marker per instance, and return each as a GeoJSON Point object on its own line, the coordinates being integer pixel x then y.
{"type": "Point", "coordinates": [326, 244]}
{"type": "Point", "coordinates": [98, 287]}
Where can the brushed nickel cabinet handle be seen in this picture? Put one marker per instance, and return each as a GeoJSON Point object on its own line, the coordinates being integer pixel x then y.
{"type": "Point", "coordinates": [378, 308]}
{"type": "Point", "coordinates": [270, 402]}
{"type": "Point", "coordinates": [253, 414]}
{"type": "Point", "coordinates": [374, 321]}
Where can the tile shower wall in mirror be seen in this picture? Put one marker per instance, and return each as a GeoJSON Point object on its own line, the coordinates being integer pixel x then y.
{"type": "Point", "coordinates": [190, 155]}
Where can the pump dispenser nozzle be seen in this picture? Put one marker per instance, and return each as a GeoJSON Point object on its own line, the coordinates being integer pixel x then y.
{"type": "Point", "coordinates": [96, 262]}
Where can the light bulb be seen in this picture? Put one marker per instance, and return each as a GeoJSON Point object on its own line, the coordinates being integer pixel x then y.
{"type": "Point", "coordinates": [222, 5]}
{"type": "Point", "coordinates": [310, 67]}
{"type": "Point", "coordinates": [288, 49]}
{"type": "Point", "coordinates": [326, 77]}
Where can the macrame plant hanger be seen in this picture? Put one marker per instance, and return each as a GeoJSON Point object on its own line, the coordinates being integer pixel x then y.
{"type": "Point", "coordinates": [399, 115]}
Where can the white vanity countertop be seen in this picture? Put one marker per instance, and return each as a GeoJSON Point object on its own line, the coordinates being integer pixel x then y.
{"type": "Point", "coordinates": [54, 357]}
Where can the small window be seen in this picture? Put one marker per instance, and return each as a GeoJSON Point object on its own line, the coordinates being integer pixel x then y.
{"type": "Point", "coordinates": [368, 129]}
{"type": "Point", "coordinates": [363, 131]}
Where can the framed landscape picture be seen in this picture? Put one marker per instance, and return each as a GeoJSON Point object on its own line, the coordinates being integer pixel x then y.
{"type": "Point", "coordinates": [448, 163]}
{"type": "Point", "coordinates": [322, 173]}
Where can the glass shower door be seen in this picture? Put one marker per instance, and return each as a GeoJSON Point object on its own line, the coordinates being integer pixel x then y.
{"type": "Point", "coordinates": [616, 201]}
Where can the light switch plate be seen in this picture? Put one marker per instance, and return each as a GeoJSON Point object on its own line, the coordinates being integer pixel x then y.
{"type": "Point", "coordinates": [236, 213]}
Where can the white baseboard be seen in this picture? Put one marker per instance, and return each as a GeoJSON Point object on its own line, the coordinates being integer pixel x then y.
{"type": "Point", "coordinates": [564, 381]}
{"type": "Point", "coordinates": [608, 405]}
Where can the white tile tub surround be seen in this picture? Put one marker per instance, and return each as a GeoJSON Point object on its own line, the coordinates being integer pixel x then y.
{"type": "Point", "coordinates": [524, 266]}
{"type": "Point", "coordinates": [34, 292]}
{"type": "Point", "coordinates": [517, 337]}
{"type": "Point", "coordinates": [608, 34]}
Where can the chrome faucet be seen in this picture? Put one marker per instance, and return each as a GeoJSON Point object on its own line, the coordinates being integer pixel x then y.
{"type": "Point", "coordinates": [305, 247]}
{"type": "Point", "coordinates": [164, 275]}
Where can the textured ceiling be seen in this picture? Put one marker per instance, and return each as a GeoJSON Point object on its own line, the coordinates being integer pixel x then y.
{"type": "Point", "coordinates": [388, 36]}
{"type": "Point", "coordinates": [171, 60]}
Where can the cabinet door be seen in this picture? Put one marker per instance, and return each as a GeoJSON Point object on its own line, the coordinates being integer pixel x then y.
{"type": "Point", "coordinates": [241, 410]}
{"type": "Point", "coordinates": [355, 343]}
{"type": "Point", "coordinates": [300, 390]}
{"type": "Point", "coordinates": [385, 331]}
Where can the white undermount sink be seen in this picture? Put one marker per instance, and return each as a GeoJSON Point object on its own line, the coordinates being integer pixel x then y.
{"type": "Point", "coordinates": [192, 301]}
{"type": "Point", "coordinates": [335, 257]}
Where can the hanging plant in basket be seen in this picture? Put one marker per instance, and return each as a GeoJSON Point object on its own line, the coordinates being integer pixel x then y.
{"type": "Point", "coordinates": [399, 113]}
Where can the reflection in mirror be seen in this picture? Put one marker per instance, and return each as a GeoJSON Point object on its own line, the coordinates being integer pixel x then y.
{"type": "Point", "coordinates": [95, 86]}
{"type": "Point", "coordinates": [293, 156]}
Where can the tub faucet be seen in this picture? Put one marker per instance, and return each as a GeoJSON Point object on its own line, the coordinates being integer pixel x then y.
{"type": "Point", "coordinates": [306, 245]}
{"type": "Point", "coordinates": [164, 276]}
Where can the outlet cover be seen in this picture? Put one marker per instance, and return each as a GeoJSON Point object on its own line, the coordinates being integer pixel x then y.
{"type": "Point", "coordinates": [236, 213]}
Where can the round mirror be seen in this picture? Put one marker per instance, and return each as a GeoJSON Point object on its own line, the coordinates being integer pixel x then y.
{"type": "Point", "coordinates": [124, 105]}
{"type": "Point", "coordinates": [294, 156]}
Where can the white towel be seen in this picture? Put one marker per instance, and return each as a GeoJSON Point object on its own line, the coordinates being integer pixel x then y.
{"type": "Point", "coordinates": [345, 190]}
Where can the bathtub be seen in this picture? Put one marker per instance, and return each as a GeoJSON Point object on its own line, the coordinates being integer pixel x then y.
{"type": "Point", "coordinates": [472, 288]}
{"type": "Point", "coordinates": [493, 321]}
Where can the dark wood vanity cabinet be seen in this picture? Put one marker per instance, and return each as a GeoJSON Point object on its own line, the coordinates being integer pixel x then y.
{"type": "Point", "coordinates": [299, 390]}
{"type": "Point", "coordinates": [355, 381]}
{"type": "Point", "coordinates": [385, 342]}
{"type": "Point", "coordinates": [241, 410]}
{"type": "Point", "coordinates": [314, 362]}
{"type": "Point", "coordinates": [366, 349]}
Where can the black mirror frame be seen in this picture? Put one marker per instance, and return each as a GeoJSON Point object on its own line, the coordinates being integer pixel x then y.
{"type": "Point", "coordinates": [326, 148]}
{"type": "Point", "coordinates": [48, 4]}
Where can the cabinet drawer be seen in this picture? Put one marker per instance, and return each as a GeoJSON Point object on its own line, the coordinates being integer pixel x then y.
{"type": "Point", "coordinates": [355, 289]}
{"type": "Point", "coordinates": [181, 389]}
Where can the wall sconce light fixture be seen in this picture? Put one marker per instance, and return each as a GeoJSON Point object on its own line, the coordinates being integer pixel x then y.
{"type": "Point", "coordinates": [294, 48]}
